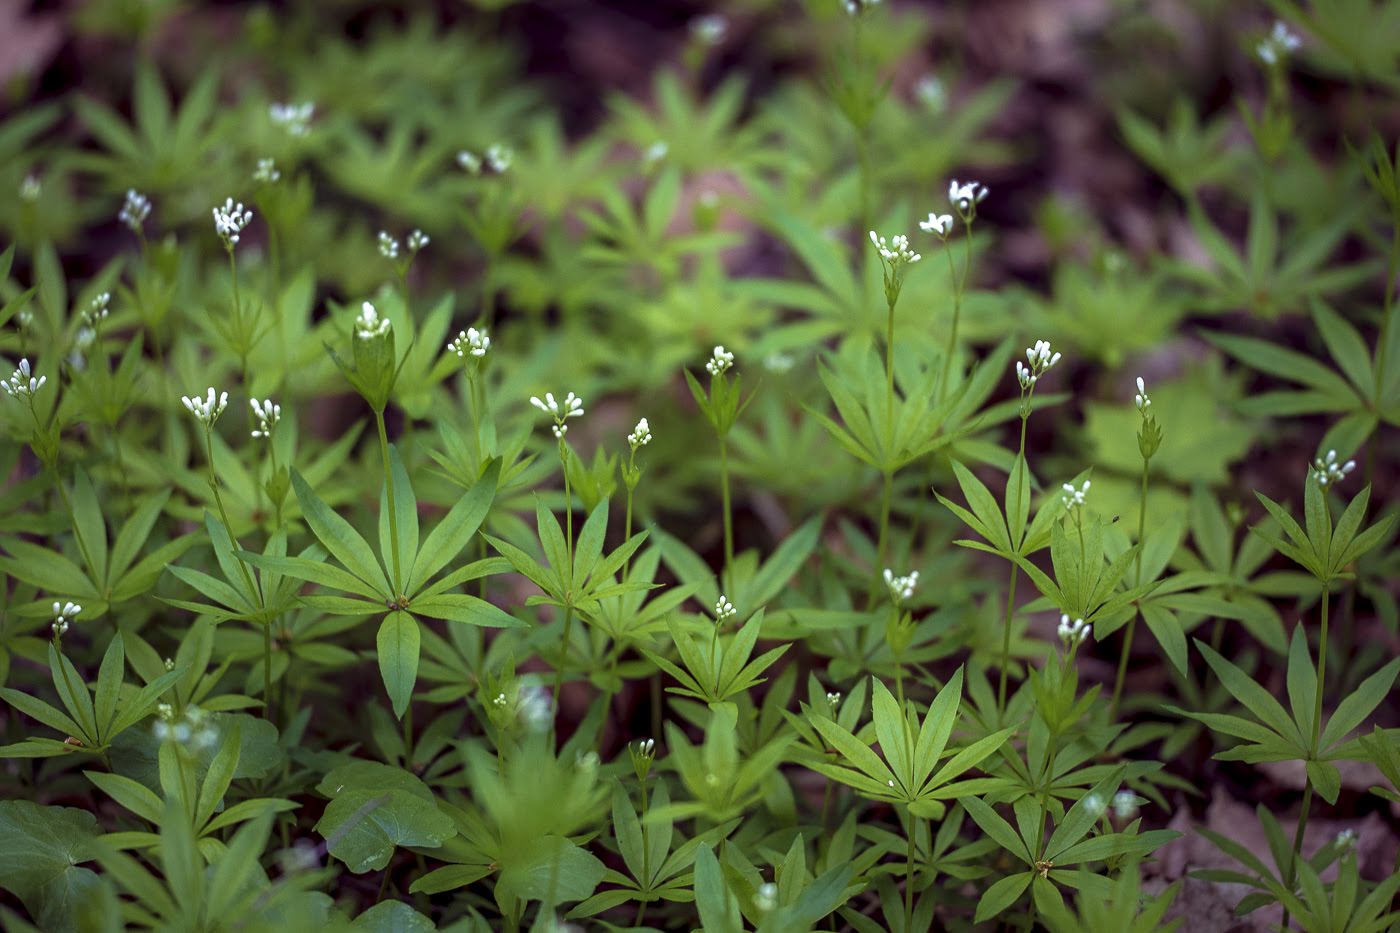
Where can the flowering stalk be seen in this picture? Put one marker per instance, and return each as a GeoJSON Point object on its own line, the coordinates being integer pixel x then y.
{"type": "Point", "coordinates": [1039, 360]}
{"type": "Point", "coordinates": [964, 198]}
{"type": "Point", "coordinates": [631, 476]}
{"type": "Point", "coordinates": [1149, 441]}
{"type": "Point", "coordinates": [572, 407]}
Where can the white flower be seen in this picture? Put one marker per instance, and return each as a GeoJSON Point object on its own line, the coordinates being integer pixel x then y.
{"type": "Point", "coordinates": [901, 588]}
{"type": "Point", "coordinates": [656, 152]}
{"type": "Point", "coordinates": [30, 189]}
{"type": "Point", "coordinates": [207, 409]}
{"type": "Point", "coordinates": [777, 362]}
{"type": "Point", "coordinates": [894, 251]}
{"type": "Point", "coordinates": [646, 747]}
{"type": "Point", "coordinates": [710, 29]}
{"type": "Point", "coordinates": [169, 664]}
{"type": "Point", "coordinates": [471, 342]}
{"type": "Point", "coordinates": [938, 224]}
{"type": "Point", "coordinates": [388, 246]}
{"type": "Point", "coordinates": [1024, 376]}
{"type": "Point", "coordinates": [766, 898]}
{"type": "Point", "coordinates": [931, 93]}
{"type": "Point", "coordinates": [724, 609]}
{"type": "Point", "coordinates": [370, 324]}
{"type": "Point", "coordinates": [720, 362]}
{"type": "Point", "coordinates": [1039, 360]}
{"type": "Point", "coordinates": [1329, 471]}
{"type": "Point", "coordinates": [417, 240]}
{"type": "Point", "coordinates": [1346, 840]}
{"type": "Point", "coordinates": [135, 210]}
{"type": "Point", "coordinates": [1140, 399]}
{"type": "Point", "coordinates": [63, 613]}
{"type": "Point", "coordinates": [534, 708]}
{"type": "Point", "coordinates": [966, 196]}
{"type": "Point", "coordinates": [266, 172]}
{"type": "Point", "coordinates": [267, 414]}
{"type": "Point", "coordinates": [499, 157]}
{"type": "Point", "coordinates": [469, 162]}
{"type": "Point", "coordinates": [230, 220]}
{"type": "Point", "coordinates": [640, 436]}
{"type": "Point", "coordinates": [1072, 497]}
{"type": "Point", "coordinates": [1279, 43]}
{"type": "Point", "coordinates": [97, 309]}
{"type": "Point", "coordinates": [572, 408]}
{"type": "Point", "coordinates": [1072, 633]}
{"type": "Point", "coordinates": [857, 7]}
{"type": "Point", "coordinates": [1095, 805]}
{"type": "Point", "coordinates": [294, 118]}
{"type": "Point", "coordinates": [833, 699]}
{"type": "Point", "coordinates": [1125, 805]}
{"type": "Point", "coordinates": [24, 383]}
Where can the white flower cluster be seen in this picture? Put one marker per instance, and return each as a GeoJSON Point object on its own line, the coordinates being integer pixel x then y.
{"type": "Point", "coordinates": [572, 408]}
{"type": "Point", "coordinates": [1095, 805]}
{"type": "Point", "coordinates": [469, 162]}
{"type": "Point", "coordinates": [417, 240]}
{"type": "Point", "coordinates": [1346, 841]}
{"type": "Point", "coordinates": [1125, 805]}
{"type": "Point", "coordinates": [640, 436]}
{"type": "Point", "coordinates": [1278, 44]}
{"type": "Point", "coordinates": [833, 699]}
{"type": "Point", "coordinates": [1039, 361]}
{"type": "Point", "coordinates": [720, 362]}
{"type": "Point", "coordinates": [857, 7]}
{"type": "Point", "coordinates": [471, 342]}
{"type": "Point", "coordinates": [97, 309]}
{"type": "Point", "coordinates": [266, 172]}
{"type": "Point", "coordinates": [938, 224]}
{"type": "Point", "coordinates": [135, 210]}
{"type": "Point", "coordinates": [534, 708]}
{"type": "Point", "coordinates": [194, 727]}
{"type": "Point", "coordinates": [1072, 632]}
{"type": "Point", "coordinates": [901, 588]}
{"type": "Point", "coordinates": [1329, 471]}
{"type": "Point", "coordinates": [30, 188]}
{"type": "Point", "coordinates": [294, 118]}
{"type": "Point", "coordinates": [1073, 498]}
{"type": "Point", "coordinates": [724, 609]}
{"type": "Point", "coordinates": [1140, 399]}
{"type": "Point", "coordinates": [966, 196]}
{"type": "Point", "coordinates": [646, 747]}
{"type": "Point", "coordinates": [388, 246]}
{"type": "Point", "coordinates": [24, 383]}
{"type": "Point", "coordinates": [63, 613]}
{"type": "Point", "coordinates": [931, 93]}
{"type": "Point", "coordinates": [267, 414]}
{"type": "Point", "coordinates": [207, 409]}
{"type": "Point", "coordinates": [655, 152]}
{"type": "Point", "coordinates": [370, 324]}
{"type": "Point", "coordinates": [230, 220]}
{"type": "Point", "coordinates": [710, 29]}
{"type": "Point", "coordinates": [894, 251]}
{"type": "Point", "coordinates": [766, 897]}
{"type": "Point", "coordinates": [499, 157]}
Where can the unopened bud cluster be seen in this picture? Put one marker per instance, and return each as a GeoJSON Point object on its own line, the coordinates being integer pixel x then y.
{"type": "Point", "coordinates": [571, 408]}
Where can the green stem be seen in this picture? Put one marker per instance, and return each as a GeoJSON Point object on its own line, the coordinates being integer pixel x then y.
{"type": "Point", "coordinates": [627, 531]}
{"type": "Point", "coordinates": [389, 491]}
{"type": "Point", "coordinates": [223, 513]}
{"type": "Point", "coordinates": [724, 498]}
{"type": "Point", "coordinates": [1006, 642]}
{"type": "Point", "coordinates": [889, 366]}
{"type": "Point", "coordinates": [882, 543]}
{"type": "Point", "coordinates": [1132, 623]}
{"type": "Point", "coordinates": [1321, 672]}
{"type": "Point", "coordinates": [267, 669]}
{"type": "Point", "coordinates": [568, 507]}
{"type": "Point", "coordinates": [1291, 874]}
{"type": "Point", "coordinates": [909, 879]}
{"type": "Point", "coordinates": [563, 657]}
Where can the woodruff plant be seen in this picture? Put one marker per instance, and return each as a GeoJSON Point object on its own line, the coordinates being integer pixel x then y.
{"type": "Point", "coordinates": [342, 640]}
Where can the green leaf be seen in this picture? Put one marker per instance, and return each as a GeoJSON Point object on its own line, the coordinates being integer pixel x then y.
{"type": "Point", "coordinates": [405, 514]}
{"type": "Point", "coordinates": [397, 646]}
{"type": "Point", "coordinates": [89, 526]}
{"type": "Point", "coordinates": [1255, 698]}
{"type": "Point", "coordinates": [1001, 895]}
{"type": "Point", "coordinates": [1302, 684]}
{"type": "Point", "coordinates": [550, 868]}
{"type": "Point", "coordinates": [40, 860]}
{"type": "Point", "coordinates": [375, 808]}
{"type": "Point", "coordinates": [447, 539]}
{"type": "Point", "coordinates": [393, 917]}
{"type": "Point", "coordinates": [1359, 704]}
{"type": "Point", "coordinates": [340, 538]}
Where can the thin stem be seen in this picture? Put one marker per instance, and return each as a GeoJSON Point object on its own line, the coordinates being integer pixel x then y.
{"type": "Point", "coordinates": [1006, 641]}
{"type": "Point", "coordinates": [1132, 623]}
{"type": "Point", "coordinates": [389, 490]}
{"type": "Point", "coordinates": [563, 656]}
{"type": "Point", "coordinates": [889, 365]}
{"type": "Point", "coordinates": [909, 879]}
{"type": "Point", "coordinates": [1321, 672]}
{"type": "Point", "coordinates": [728, 509]}
{"type": "Point", "coordinates": [223, 513]}
{"type": "Point", "coordinates": [267, 669]}
{"type": "Point", "coordinates": [1291, 874]}
{"type": "Point", "coordinates": [627, 532]}
{"type": "Point", "coordinates": [882, 543]}
{"type": "Point", "coordinates": [568, 506]}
